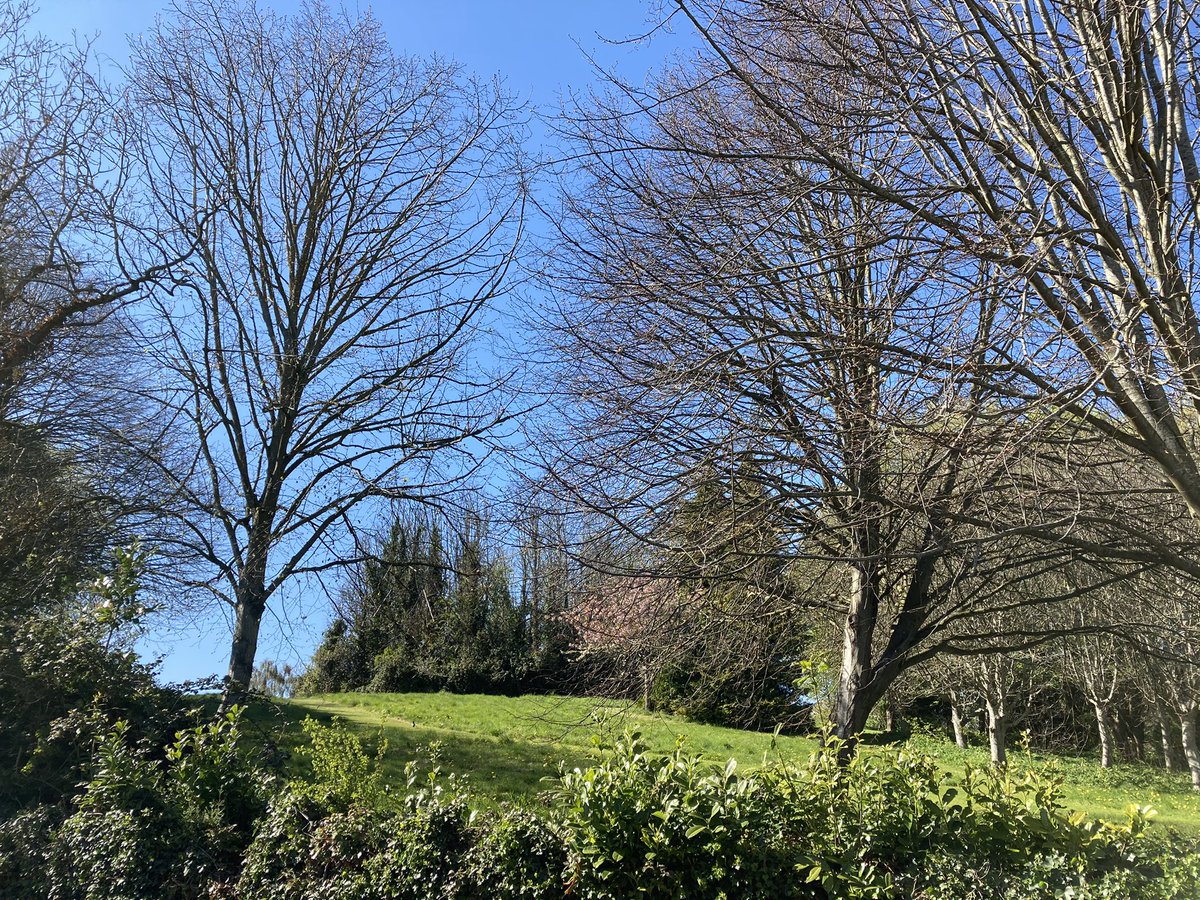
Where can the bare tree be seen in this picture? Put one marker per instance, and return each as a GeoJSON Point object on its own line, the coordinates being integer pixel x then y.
{"type": "Point", "coordinates": [740, 306]}
{"type": "Point", "coordinates": [1055, 140]}
{"type": "Point", "coordinates": [62, 185]}
{"type": "Point", "coordinates": [1168, 658]}
{"type": "Point", "coordinates": [1094, 661]}
{"type": "Point", "coordinates": [348, 214]}
{"type": "Point", "coordinates": [68, 489]}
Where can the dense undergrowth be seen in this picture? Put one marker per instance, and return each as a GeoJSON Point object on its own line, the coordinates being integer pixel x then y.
{"type": "Point", "coordinates": [211, 816]}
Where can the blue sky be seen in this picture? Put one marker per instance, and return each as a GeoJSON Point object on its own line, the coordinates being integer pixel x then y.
{"type": "Point", "coordinates": [539, 48]}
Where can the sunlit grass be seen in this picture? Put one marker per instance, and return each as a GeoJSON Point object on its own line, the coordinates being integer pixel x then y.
{"type": "Point", "coordinates": [509, 746]}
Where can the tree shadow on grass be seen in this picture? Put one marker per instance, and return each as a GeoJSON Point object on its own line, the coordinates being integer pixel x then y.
{"type": "Point", "coordinates": [497, 769]}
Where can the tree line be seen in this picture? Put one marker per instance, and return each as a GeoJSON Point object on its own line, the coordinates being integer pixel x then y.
{"type": "Point", "coordinates": [417, 614]}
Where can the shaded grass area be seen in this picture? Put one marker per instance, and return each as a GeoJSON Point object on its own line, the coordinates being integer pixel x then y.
{"type": "Point", "coordinates": [509, 746]}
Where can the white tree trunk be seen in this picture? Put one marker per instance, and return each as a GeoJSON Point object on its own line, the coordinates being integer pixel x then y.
{"type": "Point", "coordinates": [1167, 749]}
{"type": "Point", "coordinates": [956, 722]}
{"type": "Point", "coordinates": [1105, 726]}
{"type": "Point", "coordinates": [997, 732]}
{"type": "Point", "coordinates": [1191, 743]}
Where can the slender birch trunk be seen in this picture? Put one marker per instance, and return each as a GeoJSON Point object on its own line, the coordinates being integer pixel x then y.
{"type": "Point", "coordinates": [997, 732]}
{"type": "Point", "coordinates": [956, 721]}
{"type": "Point", "coordinates": [1191, 742]}
{"type": "Point", "coordinates": [1104, 725]}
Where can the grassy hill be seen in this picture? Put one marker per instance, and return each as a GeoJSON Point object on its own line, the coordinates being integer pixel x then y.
{"type": "Point", "coordinates": [508, 746]}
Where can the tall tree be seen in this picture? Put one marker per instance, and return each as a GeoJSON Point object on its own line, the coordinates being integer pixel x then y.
{"type": "Point", "coordinates": [1054, 140]}
{"type": "Point", "coordinates": [349, 213]}
{"type": "Point", "coordinates": [738, 305]}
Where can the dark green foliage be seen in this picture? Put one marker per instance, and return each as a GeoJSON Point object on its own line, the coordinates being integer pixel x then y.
{"type": "Point", "coordinates": [145, 826]}
{"type": "Point", "coordinates": [756, 692]}
{"type": "Point", "coordinates": [636, 824]}
{"type": "Point", "coordinates": [735, 648]}
{"type": "Point", "coordinates": [25, 846]}
{"type": "Point", "coordinates": [885, 826]}
{"type": "Point", "coordinates": [53, 528]}
{"type": "Point", "coordinates": [308, 849]}
{"type": "Point", "coordinates": [333, 836]}
{"type": "Point", "coordinates": [125, 840]}
{"type": "Point", "coordinates": [1156, 872]}
{"type": "Point", "coordinates": [67, 677]}
{"type": "Point", "coordinates": [418, 617]}
{"type": "Point", "coordinates": [336, 663]}
{"type": "Point", "coordinates": [519, 856]}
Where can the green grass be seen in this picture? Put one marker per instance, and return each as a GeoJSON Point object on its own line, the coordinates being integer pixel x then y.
{"type": "Point", "coordinates": [509, 746]}
{"type": "Point", "coordinates": [1101, 793]}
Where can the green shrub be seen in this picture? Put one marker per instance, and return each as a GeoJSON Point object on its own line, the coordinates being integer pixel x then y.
{"type": "Point", "coordinates": [851, 827]}
{"type": "Point", "coordinates": [125, 840]}
{"type": "Point", "coordinates": [204, 818]}
{"type": "Point", "coordinates": [68, 676]}
{"type": "Point", "coordinates": [342, 773]}
{"type": "Point", "coordinates": [305, 849]}
{"type": "Point", "coordinates": [144, 826]}
{"type": "Point", "coordinates": [885, 825]}
{"type": "Point", "coordinates": [25, 847]}
{"type": "Point", "coordinates": [426, 849]}
{"type": "Point", "coordinates": [669, 827]}
{"type": "Point", "coordinates": [519, 856]}
{"type": "Point", "coordinates": [1164, 872]}
{"type": "Point", "coordinates": [332, 836]}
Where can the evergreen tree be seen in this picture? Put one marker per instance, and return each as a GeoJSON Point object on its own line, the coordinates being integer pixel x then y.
{"type": "Point", "coordinates": [736, 650]}
{"type": "Point", "coordinates": [415, 618]}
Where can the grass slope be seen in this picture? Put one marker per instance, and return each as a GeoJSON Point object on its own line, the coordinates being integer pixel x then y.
{"type": "Point", "coordinates": [508, 746]}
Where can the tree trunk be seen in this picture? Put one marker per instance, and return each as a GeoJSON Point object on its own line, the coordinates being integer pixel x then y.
{"type": "Point", "coordinates": [1172, 747]}
{"type": "Point", "coordinates": [1131, 731]}
{"type": "Point", "coordinates": [850, 715]}
{"type": "Point", "coordinates": [1170, 761]}
{"type": "Point", "coordinates": [1173, 757]}
{"type": "Point", "coordinates": [1105, 726]}
{"type": "Point", "coordinates": [245, 640]}
{"type": "Point", "coordinates": [251, 600]}
{"type": "Point", "coordinates": [956, 722]}
{"type": "Point", "coordinates": [1191, 743]}
{"type": "Point", "coordinates": [997, 732]}
{"type": "Point", "coordinates": [853, 705]}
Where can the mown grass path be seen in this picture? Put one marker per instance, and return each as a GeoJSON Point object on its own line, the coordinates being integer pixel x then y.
{"type": "Point", "coordinates": [509, 746]}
